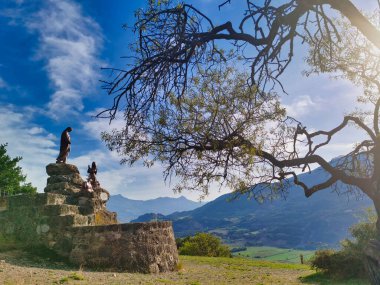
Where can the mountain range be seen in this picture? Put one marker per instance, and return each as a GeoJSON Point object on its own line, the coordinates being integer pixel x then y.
{"type": "Point", "coordinates": [128, 209]}
{"type": "Point", "coordinates": [321, 220]}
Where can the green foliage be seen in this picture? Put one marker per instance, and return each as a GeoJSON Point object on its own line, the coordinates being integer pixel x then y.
{"type": "Point", "coordinates": [339, 264]}
{"type": "Point", "coordinates": [12, 180]}
{"type": "Point", "coordinates": [76, 276]}
{"type": "Point", "coordinates": [72, 276]}
{"type": "Point", "coordinates": [204, 244]}
{"type": "Point", "coordinates": [348, 262]}
{"type": "Point", "coordinates": [320, 278]}
{"type": "Point", "coordinates": [212, 133]}
{"type": "Point", "coordinates": [180, 241]}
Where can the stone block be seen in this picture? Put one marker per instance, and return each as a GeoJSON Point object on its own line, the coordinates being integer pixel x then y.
{"type": "Point", "coordinates": [61, 222]}
{"type": "Point", "coordinates": [71, 200]}
{"type": "Point", "coordinates": [86, 210]}
{"type": "Point", "coordinates": [67, 221]}
{"type": "Point", "coordinates": [61, 169]}
{"type": "Point", "coordinates": [32, 200]}
{"type": "Point", "coordinates": [63, 246]}
{"type": "Point", "coordinates": [84, 201]}
{"type": "Point", "coordinates": [104, 217]}
{"type": "Point", "coordinates": [53, 199]}
{"type": "Point", "coordinates": [80, 220]}
{"type": "Point", "coordinates": [91, 220]}
{"type": "Point", "coordinates": [58, 210]}
{"type": "Point", "coordinates": [63, 188]}
{"type": "Point", "coordinates": [74, 178]}
{"type": "Point", "coordinates": [20, 201]}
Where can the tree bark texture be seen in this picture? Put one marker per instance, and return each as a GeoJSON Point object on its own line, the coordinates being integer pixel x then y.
{"type": "Point", "coordinates": [372, 261]}
{"type": "Point", "coordinates": [372, 250]}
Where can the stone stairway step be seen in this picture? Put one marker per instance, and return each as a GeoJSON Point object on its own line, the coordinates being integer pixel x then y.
{"type": "Point", "coordinates": [69, 221]}
{"type": "Point", "coordinates": [64, 188]}
{"type": "Point", "coordinates": [60, 210]}
{"type": "Point", "coordinates": [39, 199]}
{"type": "Point", "coordinates": [53, 199]}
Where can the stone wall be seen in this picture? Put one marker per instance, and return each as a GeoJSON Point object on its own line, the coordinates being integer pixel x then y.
{"type": "Point", "coordinates": [39, 219]}
{"type": "Point", "coordinates": [42, 219]}
{"type": "Point", "coordinates": [136, 247]}
{"type": "Point", "coordinates": [78, 226]}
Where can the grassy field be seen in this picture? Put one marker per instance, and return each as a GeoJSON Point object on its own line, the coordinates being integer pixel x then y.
{"type": "Point", "coordinates": [275, 254]}
{"type": "Point", "coordinates": [19, 268]}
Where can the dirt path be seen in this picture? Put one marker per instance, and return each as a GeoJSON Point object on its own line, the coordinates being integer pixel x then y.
{"type": "Point", "coordinates": [19, 268]}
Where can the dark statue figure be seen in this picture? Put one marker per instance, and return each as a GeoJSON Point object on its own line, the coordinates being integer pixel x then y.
{"type": "Point", "coordinates": [91, 187]}
{"type": "Point", "coordinates": [92, 171]}
{"type": "Point", "coordinates": [65, 145]}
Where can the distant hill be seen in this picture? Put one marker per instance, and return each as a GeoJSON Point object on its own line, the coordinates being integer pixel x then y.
{"type": "Point", "coordinates": [128, 209]}
{"type": "Point", "coordinates": [297, 222]}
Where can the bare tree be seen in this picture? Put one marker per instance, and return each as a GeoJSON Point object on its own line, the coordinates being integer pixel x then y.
{"type": "Point", "coordinates": [207, 123]}
{"type": "Point", "coordinates": [172, 41]}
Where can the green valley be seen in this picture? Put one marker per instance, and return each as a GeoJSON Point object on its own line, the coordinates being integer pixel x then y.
{"type": "Point", "coordinates": [274, 254]}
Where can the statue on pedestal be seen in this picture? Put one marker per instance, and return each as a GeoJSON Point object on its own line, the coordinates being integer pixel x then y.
{"type": "Point", "coordinates": [92, 171]}
{"type": "Point", "coordinates": [65, 145]}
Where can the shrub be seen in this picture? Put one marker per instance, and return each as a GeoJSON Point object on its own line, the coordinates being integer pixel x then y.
{"type": "Point", "coordinates": [348, 262]}
{"type": "Point", "coordinates": [180, 241]}
{"type": "Point", "coordinates": [338, 264]}
{"type": "Point", "coordinates": [204, 244]}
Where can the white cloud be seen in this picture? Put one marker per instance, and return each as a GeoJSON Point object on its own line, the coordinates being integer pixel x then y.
{"type": "Point", "coordinates": [96, 126]}
{"type": "Point", "coordinates": [301, 106]}
{"type": "Point", "coordinates": [36, 145]}
{"type": "Point", "coordinates": [36, 131]}
{"type": "Point", "coordinates": [69, 43]}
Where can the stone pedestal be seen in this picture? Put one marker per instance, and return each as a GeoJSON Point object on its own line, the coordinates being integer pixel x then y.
{"type": "Point", "coordinates": [76, 224]}
{"type": "Point", "coordinates": [65, 179]}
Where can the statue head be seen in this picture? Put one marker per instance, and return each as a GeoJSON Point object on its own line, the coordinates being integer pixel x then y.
{"type": "Point", "coordinates": [69, 129]}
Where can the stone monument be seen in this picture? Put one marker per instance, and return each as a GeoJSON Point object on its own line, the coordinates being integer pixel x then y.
{"type": "Point", "coordinates": [65, 179]}
{"type": "Point", "coordinates": [75, 223]}
{"type": "Point", "coordinates": [71, 219]}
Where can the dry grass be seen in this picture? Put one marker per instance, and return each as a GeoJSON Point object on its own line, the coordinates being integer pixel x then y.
{"type": "Point", "coordinates": [17, 267]}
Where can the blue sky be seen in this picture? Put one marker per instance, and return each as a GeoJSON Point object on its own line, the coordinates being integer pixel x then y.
{"type": "Point", "coordinates": [50, 60]}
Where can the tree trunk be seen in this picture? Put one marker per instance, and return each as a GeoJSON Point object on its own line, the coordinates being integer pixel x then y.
{"type": "Point", "coordinates": [372, 261]}
{"type": "Point", "coordinates": [372, 253]}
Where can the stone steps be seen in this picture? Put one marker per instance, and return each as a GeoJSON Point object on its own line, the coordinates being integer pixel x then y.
{"type": "Point", "coordinates": [60, 210]}
{"type": "Point", "coordinates": [70, 220]}
{"type": "Point", "coordinates": [39, 199]}
{"type": "Point", "coordinates": [64, 188]}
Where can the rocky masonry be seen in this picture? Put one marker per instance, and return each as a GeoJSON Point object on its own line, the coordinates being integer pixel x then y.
{"type": "Point", "coordinates": [65, 179]}
{"type": "Point", "coordinates": [76, 224]}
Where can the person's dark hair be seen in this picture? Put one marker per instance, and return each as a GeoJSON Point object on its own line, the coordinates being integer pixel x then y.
{"type": "Point", "coordinates": [69, 129]}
